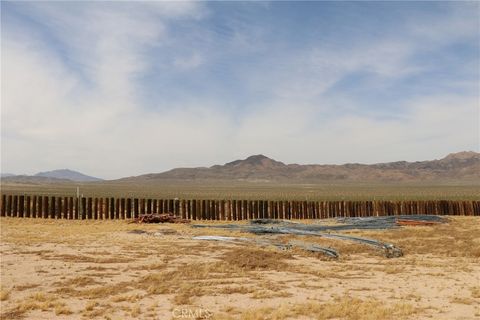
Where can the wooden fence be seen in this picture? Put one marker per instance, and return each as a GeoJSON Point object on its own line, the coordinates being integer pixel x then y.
{"type": "Point", "coordinates": [53, 207]}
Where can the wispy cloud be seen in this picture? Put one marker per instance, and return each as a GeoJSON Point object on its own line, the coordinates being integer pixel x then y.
{"type": "Point", "coordinates": [115, 89]}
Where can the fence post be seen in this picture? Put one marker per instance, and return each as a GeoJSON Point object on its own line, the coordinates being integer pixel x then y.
{"type": "Point", "coordinates": [89, 208]}
{"type": "Point", "coordinates": [117, 208]}
{"type": "Point", "coordinates": [70, 208]}
{"type": "Point", "coordinates": [34, 207]}
{"type": "Point", "coordinates": [97, 206]}
{"type": "Point", "coordinates": [122, 209]}
{"type": "Point", "coordinates": [15, 206]}
{"type": "Point", "coordinates": [3, 210]}
{"type": "Point", "coordinates": [135, 208]}
{"type": "Point", "coordinates": [194, 210]}
{"type": "Point", "coordinates": [58, 208]}
{"type": "Point", "coordinates": [64, 211]}
{"type": "Point", "coordinates": [76, 210]}
{"type": "Point", "coordinates": [182, 210]}
{"type": "Point", "coordinates": [28, 205]}
{"type": "Point", "coordinates": [228, 209]}
{"type": "Point", "coordinates": [111, 213]}
{"type": "Point", "coordinates": [175, 207]}
{"type": "Point", "coordinates": [52, 206]}
{"type": "Point", "coordinates": [128, 208]}
{"type": "Point", "coordinates": [44, 207]}
{"type": "Point", "coordinates": [21, 206]}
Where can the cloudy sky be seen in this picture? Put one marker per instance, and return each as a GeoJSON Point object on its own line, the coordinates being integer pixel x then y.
{"type": "Point", "coordinates": [116, 89]}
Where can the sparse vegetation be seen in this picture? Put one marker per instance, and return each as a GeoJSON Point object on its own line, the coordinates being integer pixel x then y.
{"type": "Point", "coordinates": [475, 292]}
{"type": "Point", "coordinates": [340, 308]}
{"type": "Point", "coordinates": [250, 259]}
{"type": "Point", "coordinates": [36, 301]}
{"type": "Point", "coordinates": [137, 271]}
{"type": "Point", "coordinates": [4, 294]}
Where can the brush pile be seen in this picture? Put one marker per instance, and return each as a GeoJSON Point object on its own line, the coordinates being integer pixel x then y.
{"type": "Point", "coordinates": [159, 218]}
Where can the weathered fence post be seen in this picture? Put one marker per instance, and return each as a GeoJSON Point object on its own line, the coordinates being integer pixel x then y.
{"type": "Point", "coordinates": [3, 209]}
{"type": "Point", "coordinates": [89, 208]}
{"type": "Point", "coordinates": [28, 204]}
{"type": "Point", "coordinates": [70, 208]}
{"type": "Point", "coordinates": [58, 208]}
{"type": "Point", "coordinates": [34, 212]}
{"type": "Point", "coordinates": [41, 207]}
{"type": "Point", "coordinates": [9, 206]}
{"type": "Point", "coordinates": [76, 210]}
{"type": "Point", "coordinates": [15, 206]}
{"type": "Point", "coordinates": [129, 208]}
{"type": "Point", "coordinates": [83, 208]}
{"type": "Point", "coordinates": [21, 206]}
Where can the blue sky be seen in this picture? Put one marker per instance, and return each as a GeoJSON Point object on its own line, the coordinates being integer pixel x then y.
{"type": "Point", "coordinates": [123, 88]}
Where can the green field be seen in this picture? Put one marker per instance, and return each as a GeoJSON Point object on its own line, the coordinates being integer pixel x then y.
{"type": "Point", "coordinates": [246, 191]}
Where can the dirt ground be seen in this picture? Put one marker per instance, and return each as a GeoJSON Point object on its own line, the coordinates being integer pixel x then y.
{"type": "Point", "coordinates": [100, 269]}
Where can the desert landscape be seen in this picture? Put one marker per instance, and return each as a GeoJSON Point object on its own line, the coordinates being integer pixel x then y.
{"type": "Point", "coordinates": [239, 160]}
{"type": "Point", "coordinates": [86, 253]}
{"type": "Point", "coordinates": [112, 270]}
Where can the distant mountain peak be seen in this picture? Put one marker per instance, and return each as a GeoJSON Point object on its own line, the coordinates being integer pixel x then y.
{"type": "Point", "coordinates": [257, 157]}
{"type": "Point", "coordinates": [6, 174]}
{"type": "Point", "coordinates": [462, 155]}
{"type": "Point", "coordinates": [258, 160]}
{"type": "Point", "coordinates": [67, 174]}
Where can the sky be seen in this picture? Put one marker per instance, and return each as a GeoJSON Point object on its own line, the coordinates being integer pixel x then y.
{"type": "Point", "coordinates": [115, 89]}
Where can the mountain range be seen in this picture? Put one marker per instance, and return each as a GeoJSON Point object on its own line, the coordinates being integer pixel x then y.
{"type": "Point", "coordinates": [461, 166]}
{"type": "Point", "coordinates": [60, 175]}
{"type": "Point", "coordinates": [456, 166]}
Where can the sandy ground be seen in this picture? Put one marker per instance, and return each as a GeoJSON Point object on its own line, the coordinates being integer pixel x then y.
{"type": "Point", "coordinates": [98, 269]}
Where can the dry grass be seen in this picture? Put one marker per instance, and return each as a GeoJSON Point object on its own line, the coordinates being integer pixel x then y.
{"type": "Point", "coordinates": [61, 309]}
{"type": "Point", "coordinates": [462, 300]}
{"type": "Point", "coordinates": [37, 301]}
{"type": "Point", "coordinates": [91, 305]}
{"type": "Point", "coordinates": [475, 292]}
{"type": "Point", "coordinates": [88, 259]}
{"type": "Point", "coordinates": [250, 259]}
{"type": "Point", "coordinates": [232, 289]}
{"type": "Point", "coordinates": [128, 297]}
{"type": "Point", "coordinates": [135, 311]}
{"type": "Point", "coordinates": [340, 308]}
{"type": "Point", "coordinates": [95, 309]}
{"type": "Point", "coordinates": [186, 281]}
{"type": "Point", "coordinates": [4, 295]}
{"type": "Point", "coordinates": [103, 291]}
{"type": "Point", "coordinates": [187, 292]}
{"type": "Point", "coordinates": [76, 282]}
{"type": "Point", "coordinates": [394, 269]}
{"type": "Point", "coordinates": [27, 286]}
{"type": "Point", "coordinates": [94, 269]}
{"type": "Point", "coordinates": [269, 294]}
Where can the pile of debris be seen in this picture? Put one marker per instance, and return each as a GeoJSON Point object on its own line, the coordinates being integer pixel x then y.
{"type": "Point", "coordinates": [266, 228]}
{"type": "Point", "coordinates": [277, 227]}
{"type": "Point", "coordinates": [159, 218]}
{"type": "Point", "coordinates": [387, 222]}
